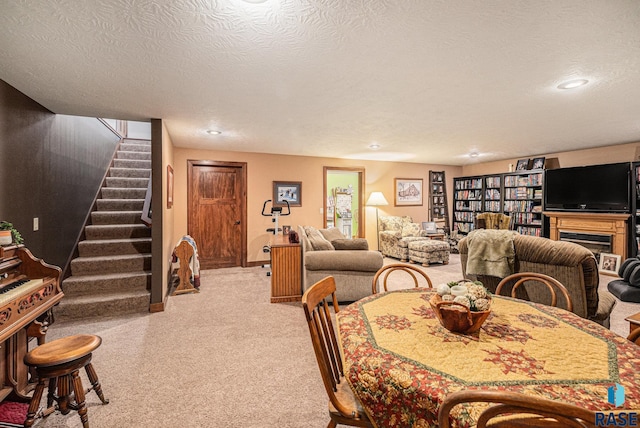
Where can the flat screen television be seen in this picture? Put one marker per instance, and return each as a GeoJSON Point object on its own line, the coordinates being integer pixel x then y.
{"type": "Point", "coordinates": [595, 188]}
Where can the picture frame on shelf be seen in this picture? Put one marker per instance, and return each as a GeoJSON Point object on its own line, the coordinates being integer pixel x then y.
{"type": "Point", "coordinates": [290, 191]}
{"type": "Point", "coordinates": [538, 163]}
{"type": "Point", "coordinates": [408, 192]}
{"type": "Point", "coordinates": [609, 263]}
{"type": "Point", "coordinates": [522, 165]}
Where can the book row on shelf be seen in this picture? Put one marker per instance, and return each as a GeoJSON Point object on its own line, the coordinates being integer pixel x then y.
{"type": "Point", "coordinates": [493, 181]}
{"type": "Point", "coordinates": [473, 183]}
{"type": "Point", "coordinates": [492, 194]}
{"type": "Point", "coordinates": [522, 193]}
{"type": "Point", "coordinates": [465, 217]}
{"type": "Point", "coordinates": [523, 180]}
{"type": "Point", "coordinates": [522, 206]}
{"type": "Point", "coordinates": [533, 231]}
{"type": "Point", "coordinates": [527, 218]}
{"type": "Point", "coordinates": [468, 194]}
{"type": "Point", "coordinates": [492, 206]}
{"type": "Point", "coordinates": [468, 206]}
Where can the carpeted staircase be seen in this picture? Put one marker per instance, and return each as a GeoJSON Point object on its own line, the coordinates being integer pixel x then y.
{"type": "Point", "coordinates": [112, 275]}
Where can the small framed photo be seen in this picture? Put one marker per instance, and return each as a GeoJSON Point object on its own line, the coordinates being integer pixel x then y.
{"type": "Point", "coordinates": [538, 163]}
{"type": "Point", "coordinates": [609, 263]}
{"type": "Point", "coordinates": [522, 165]}
{"type": "Point", "coordinates": [290, 191]}
{"type": "Point", "coordinates": [286, 229]}
{"type": "Point", "coordinates": [408, 192]}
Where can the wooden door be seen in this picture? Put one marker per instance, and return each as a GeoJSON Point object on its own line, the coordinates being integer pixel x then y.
{"type": "Point", "coordinates": [217, 212]}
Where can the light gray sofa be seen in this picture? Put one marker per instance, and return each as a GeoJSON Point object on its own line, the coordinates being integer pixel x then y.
{"type": "Point", "coordinates": [352, 265]}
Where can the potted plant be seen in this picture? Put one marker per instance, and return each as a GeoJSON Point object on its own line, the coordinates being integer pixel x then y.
{"type": "Point", "coordinates": [13, 236]}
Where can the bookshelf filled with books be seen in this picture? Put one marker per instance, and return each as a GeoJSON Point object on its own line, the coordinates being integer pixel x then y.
{"type": "Point", "coordinates": [467, 202]}
{"type": "Point", "coordinates": [522, 200]}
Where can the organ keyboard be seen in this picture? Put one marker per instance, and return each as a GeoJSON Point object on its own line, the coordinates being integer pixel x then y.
{"type": "Point", "coordinates": [29, 288]}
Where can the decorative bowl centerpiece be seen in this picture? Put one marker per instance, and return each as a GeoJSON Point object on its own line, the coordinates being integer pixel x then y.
{"type": "Point", "coordinates": [462, 307]}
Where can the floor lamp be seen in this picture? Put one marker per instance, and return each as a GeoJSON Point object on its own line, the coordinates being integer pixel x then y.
{"type": "Point", "coordinates": [377, 199]}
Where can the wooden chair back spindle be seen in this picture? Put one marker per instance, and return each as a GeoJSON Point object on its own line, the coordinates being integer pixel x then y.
{"type": "Point", "coordinates": [551, 283]}
{"type": "Point", "coordinates": [413, 271]}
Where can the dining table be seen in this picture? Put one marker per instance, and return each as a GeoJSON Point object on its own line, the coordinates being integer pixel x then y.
{"type": "Point", "coordinates": [401, 362]}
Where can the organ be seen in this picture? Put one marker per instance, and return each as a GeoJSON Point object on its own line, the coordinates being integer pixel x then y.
{"type": "Point", "coordinates": [29, 288]}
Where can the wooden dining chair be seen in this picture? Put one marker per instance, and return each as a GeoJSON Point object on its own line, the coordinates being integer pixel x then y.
{"type": "Point", "coordinates": [551, 283]}
{"type": "Point", "coordinates": [514, 410]}
{"type": "Point", "coordinates": [384, 272]}
{"type": "Point", "coordinates": [634, 336]}
{"type": "Point", "coordinates": [344, 408]}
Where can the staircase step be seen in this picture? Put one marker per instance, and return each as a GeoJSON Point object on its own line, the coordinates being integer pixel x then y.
{"type": "Point", "coordinates": [130, 172]}
{"type": "Point", "coordinates": [77, 286]}
{"type": "Point", "coordinates": [120, 154]}
{"type": "Point", "coordinates": [115, 217]}
{"type": "Point", "coordinates": [135, 147]}
{"type": "Point", "coordinates": [117, 231]}
{"type": "Point", "coordinates": [120, 204]}
{"type": "Point", "coordinates": [127, 182]}
{"type": "Point", "coordinates": [112, 247]}
{"type": "Point", "coordinates": [131, 163]}
{"type": "Point", "coordinates": [110, 264]}
{"type": "Point", "coordinates": [136, 141]}
{"type": "Point", "coordinates": [122, 193]}
{"type": "Point", "coordinates": [102, 305]}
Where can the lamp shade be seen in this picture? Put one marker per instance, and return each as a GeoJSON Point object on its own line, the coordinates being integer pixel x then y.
{"type": "Point", "coordinates": [376, 199]}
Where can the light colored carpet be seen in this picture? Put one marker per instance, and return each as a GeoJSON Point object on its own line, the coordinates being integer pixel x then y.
{"type": "Point", "coordinates": [224, 357]}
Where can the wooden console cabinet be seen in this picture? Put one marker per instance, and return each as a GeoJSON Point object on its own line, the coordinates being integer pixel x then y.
{"type": "Point", "coordinates": [286, 267]}
{"type": "Point", "coordinates": [613, 225]}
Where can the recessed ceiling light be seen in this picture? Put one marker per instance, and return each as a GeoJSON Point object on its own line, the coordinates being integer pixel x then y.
{"type": "Point", "coordinates": [214, 132]}
{"type": "Point", "coordinates": [254, 1]}
{"type": "Point", "coordinates": [573, 84]}
{"type": "Point", "coordinates": [374, 146]}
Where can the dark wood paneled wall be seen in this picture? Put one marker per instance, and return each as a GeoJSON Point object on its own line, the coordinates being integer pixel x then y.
{"type": "Point", "coordinates": [51, 167]}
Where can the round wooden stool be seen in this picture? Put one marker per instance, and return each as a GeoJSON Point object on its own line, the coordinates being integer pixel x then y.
{"type": "Point", "coordinates": [60, 361]}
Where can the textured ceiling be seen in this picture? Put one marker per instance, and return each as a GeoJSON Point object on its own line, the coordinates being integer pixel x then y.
{"type": "Point", "coordinates": [430, 81]}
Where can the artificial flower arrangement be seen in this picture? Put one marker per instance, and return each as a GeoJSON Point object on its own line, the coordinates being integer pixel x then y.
{"type": "Point", "coordinates": [462, 306]}
{"type": "Point", "coordinates": [472, 294]}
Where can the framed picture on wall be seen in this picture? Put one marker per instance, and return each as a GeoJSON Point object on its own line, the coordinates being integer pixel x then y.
{"type": "Point", "coordinates": [290, 191]}
{"type": "Point", "coordinates": [408, 192]}
{"type": "Point", "coordinates": [609, 263]}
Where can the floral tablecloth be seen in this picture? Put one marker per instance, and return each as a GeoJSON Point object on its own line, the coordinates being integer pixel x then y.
{"type": "Point", "coordinates": [401, 362]}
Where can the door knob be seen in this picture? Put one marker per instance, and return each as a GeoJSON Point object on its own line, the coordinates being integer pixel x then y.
{"type": "Point", "coordinates": [237, 222]}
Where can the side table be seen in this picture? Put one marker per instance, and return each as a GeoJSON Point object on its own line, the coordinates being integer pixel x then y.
{"type": "Point", "coordinates": [634, 321]}
{"type": "Point", "coordinates": [286, 267]}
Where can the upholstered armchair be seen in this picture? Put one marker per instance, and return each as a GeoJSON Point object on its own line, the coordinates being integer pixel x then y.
{"type": "Point", "coordinates": [493, 221]}
{"type": "Point", "coordinates": [395, 234]}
